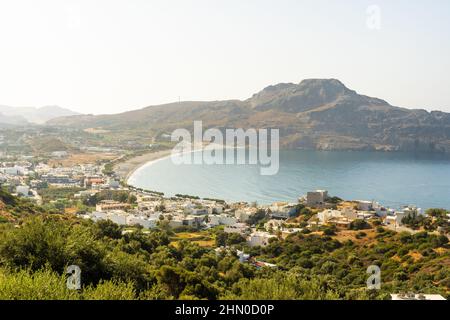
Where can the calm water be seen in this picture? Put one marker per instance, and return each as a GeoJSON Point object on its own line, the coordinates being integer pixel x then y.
{"type": "Point", "coordinates": [393, 179]}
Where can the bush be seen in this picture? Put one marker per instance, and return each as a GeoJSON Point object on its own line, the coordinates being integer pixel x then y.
{"type": "Point", "coordinates": [361, 235]}
{"type": "Point", "coordinates": [359, 224]}
{"type": "Point", "coordinates": [110, 290]}
{"type": "Point", "coordinates": [43, 284]}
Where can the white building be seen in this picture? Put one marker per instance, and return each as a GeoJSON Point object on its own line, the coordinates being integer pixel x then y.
{"type": "Point", "coordinates": [98, 215]}
{"type": "Point", "coordinates": [282, 210]}
{"type": "Point", "coordinates": [23, 190]}
{"type": "Point", "coordinates": [113, 183]}
{"type": "Point", "coordinates": [380, 211]}
{"type": "Point", "coordinates": [13, 171]}
{"type": "Point", "coordinates": [326, 215]}
{"type": "Point", "coordinates": [148, 223]}
{"type": "Point", "coordinates": [240, 228]}
{"type": "Point", "coordinates": [243, 215]}
{"type": "Point", "coordinates": [118, 216]}
{"type": "Point", "coordinates": [199, 211]}
{"type": "Point", "coordinates": [259, 238]}
{"type": "Point", "coordinates": [365, 205]}
{"type": "Point", "coordinates": [222, 219]}
{"type": "Point", "coordinates": [274, 225]}
{"type": "Point", "coordinates": [243, 257]}
{"type": "Point", "coordinates": [59, 154]}
{"type": "Point", "coordinates": [217, 209]}
{"type": "Point", "coordinates": [337, 217]}
{"type": "Point", "coordinates": [392, 221]}
{"type": "Point", "coordinates": [411, 210]}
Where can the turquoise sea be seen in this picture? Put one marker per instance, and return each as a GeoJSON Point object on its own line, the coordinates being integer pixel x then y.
{"type": "Point", "coordinates": [393, 179]}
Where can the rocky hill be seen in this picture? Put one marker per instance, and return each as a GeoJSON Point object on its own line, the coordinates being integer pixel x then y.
{"type": "Point", "coordinates": [314, 114]}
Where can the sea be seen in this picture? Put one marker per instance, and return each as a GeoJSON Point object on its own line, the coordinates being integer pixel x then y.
{"type": "Point", "coordinates": [393, 179]}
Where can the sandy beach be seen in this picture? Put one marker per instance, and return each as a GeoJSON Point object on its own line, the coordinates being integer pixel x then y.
{"type": "Point", "coordinates": [127, 168]}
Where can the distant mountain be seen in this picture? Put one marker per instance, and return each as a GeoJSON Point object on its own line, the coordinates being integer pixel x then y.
{"type": "Point", "coordinates": [314, 114]}
{"type": "Point", "coordinates": [24, 115]}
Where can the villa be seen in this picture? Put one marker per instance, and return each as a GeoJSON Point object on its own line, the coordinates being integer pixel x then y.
{"type": "Point", "coordinates": [259, 238]}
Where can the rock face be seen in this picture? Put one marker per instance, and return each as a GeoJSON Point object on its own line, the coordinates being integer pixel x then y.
{"type": "Point", "coordinates": [314, 114]}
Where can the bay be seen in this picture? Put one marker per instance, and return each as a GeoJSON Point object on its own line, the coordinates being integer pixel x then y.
{"type": "Point", "coordinates": [393, 179]}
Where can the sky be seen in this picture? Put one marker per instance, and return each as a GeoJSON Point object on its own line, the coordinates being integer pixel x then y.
{"type": "Point", "coordinates": [109, 56]}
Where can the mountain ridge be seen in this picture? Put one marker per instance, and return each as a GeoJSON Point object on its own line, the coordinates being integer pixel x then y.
{"type": "Point", "coordinates": [34, 115]}
{"type": "Point", "coordinates": [314, 114]}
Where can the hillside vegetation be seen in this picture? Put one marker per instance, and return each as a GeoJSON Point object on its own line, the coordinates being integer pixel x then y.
{"type": "Point", "coordinates": [35, 254]}
{"type": "Point", "coordinates": [315, 114]}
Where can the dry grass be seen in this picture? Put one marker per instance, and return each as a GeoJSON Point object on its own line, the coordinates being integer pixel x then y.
{"type": "Point", "coordinates": [345, 235]}
{"type": "Point", "coordinates": [440, 251]}
{"type": "Point", "coordinates": [81, 158]}
{"type": "Point", "coordinates": [415, 255]}
{"type": "Point", "coordinates": [202, 238]}
{"type": "Point", "coordinates": [70, 210]}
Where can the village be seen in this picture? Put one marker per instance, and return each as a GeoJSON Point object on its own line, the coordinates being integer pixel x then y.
{"type": "Point", "coordinates": [255, 223]}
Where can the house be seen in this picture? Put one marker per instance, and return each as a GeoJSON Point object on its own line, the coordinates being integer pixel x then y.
{"type": "Point", "coordinates": [336, 217]}
{"type": "Point", "coordinates": [391, 220]}
{"type": "Point", "coordinates": [217, 209]}
{"type": "Point", "coordinates": [176, 223]}
{"type": "Point", "coordinates": [13, 171]}
{"type": "Point", "coordinates": [349, 213]}
{"type": "Point", "coordinates": [106, 205]}
{"type": "Point", "coordinates": [93, 181]}
{"type": "Point", "coordinates": [192, 221]}
{"type": "Point", "coordinates": [273, 225]}
{"type": "Point", "coordinates": [244, 214]}
{"type": "Point", "coordinates": [113, 183]}
{"type": "Point", "coordinates": [413, 210]}
{"type": "Point", "coordinates": [199, 211]}
{"type": "Point", "coordinates": [240, 228]}
{"type": "Point", "coordinates": [222, 219]}
{"type": "Point", "coordinates": [59, 154]}
{"type": "Point", "coordinates": [117, 216]}
{"type": "Point", "coordinates": [365, 205]}
{"type": "Point", "coordinates": [145, 222]}
{"type": "Point", "coordinates": [325, 215]}
{"type": "Point", "coordinates": [283, 210]}
{"type": "Point", "coordinates": [98, 215]}
{"type": "Point", "coordinates": [243, 257]}
{"type": "Point", "coordinates": [22, 190]}
{"type": "Point", "coordinates": [316, 198]}
{"type": "Point", "coordinates": [405, 212]}
{"type": "Point", "coordinates": [60, 180]}
{"type": "Point", "coordinates": [380, 211]}
{"type": "Point", "coordinates": [259, 238]}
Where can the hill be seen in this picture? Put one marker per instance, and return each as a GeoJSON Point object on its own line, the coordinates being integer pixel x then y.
{"type": "Point", "coordinates": [13, 208]}
{"type": "Point", "coordinates": [314, 114]}
{"type": "Point", "coordinates": [24, 115]}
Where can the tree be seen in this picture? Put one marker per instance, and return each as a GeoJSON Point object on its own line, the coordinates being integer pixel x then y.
{"type": "Point", "coordinates": [132, 199]}
{"type": "Point", "coordinates": [37, 243]}
{"type": "Point", "coordinates": [107, 228]}
{"type": "Point", "coordinates": [436, 212]}
{"type": "Point", "coordinates": [257, 217]}
{"type": "Point", "coordinates": [359, 224]}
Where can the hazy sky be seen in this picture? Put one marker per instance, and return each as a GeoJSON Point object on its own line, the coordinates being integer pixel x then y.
{"type": "Point", "coordinates": [107, 56]}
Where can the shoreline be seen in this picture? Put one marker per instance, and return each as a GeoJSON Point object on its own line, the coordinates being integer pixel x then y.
{"type": "Point", "coordinates": [126, 169]}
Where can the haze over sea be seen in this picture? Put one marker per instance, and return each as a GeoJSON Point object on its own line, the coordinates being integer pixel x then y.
{"type": "Point", "coordinates": [393, 179]}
